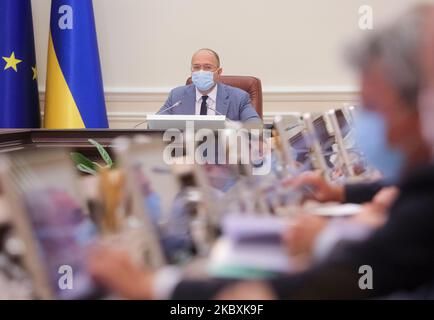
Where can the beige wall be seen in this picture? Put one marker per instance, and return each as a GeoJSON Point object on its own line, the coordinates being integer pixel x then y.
{"type": "Point", "coordinates": [295, 47]}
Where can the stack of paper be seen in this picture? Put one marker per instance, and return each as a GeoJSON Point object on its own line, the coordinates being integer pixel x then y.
{"type": "Point", "coordinates": [250, 247]}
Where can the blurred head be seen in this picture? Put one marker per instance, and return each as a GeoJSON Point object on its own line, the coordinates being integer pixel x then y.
{"type": "Point", "coordinates": [205, 69]}
{"type": "Point", "coordinates": [426, 102]}
{"type": "Point", "coordinates": [391, 80]}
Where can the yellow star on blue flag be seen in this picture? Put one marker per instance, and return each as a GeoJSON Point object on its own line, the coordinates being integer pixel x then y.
{"type": "Point", "coordinates": [12, 62]}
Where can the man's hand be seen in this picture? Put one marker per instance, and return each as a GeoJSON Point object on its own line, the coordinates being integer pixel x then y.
{"type": "Point", "coordinates": [300, 238]}
{"type": "Point", "coordinates": [115, 270]}
{"type": "Point", "coordinates": [385, 198]}
{"type": "Point", "coordinates": [375, 213]}
{"type": "Point", "coordinates": [317, 188]}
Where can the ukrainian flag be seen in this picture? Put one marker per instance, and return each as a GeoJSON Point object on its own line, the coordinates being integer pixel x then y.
{"type": "Point", "coordinates": [19, 98]}
{"type": "Point", "coordinates": [74, 94]}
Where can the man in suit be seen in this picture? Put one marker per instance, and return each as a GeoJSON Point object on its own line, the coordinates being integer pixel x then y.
{"type": "Point", "coordinates": [207, 96]}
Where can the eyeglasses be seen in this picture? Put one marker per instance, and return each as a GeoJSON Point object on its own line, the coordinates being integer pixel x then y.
{"type": "Point", "coordinates": [204, 67]}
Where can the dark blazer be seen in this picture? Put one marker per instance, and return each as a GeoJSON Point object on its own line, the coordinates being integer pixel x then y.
{"type": "Point", "coordinates": [401, 254]}
{"type": "Point", "coordinates": [362, 192]}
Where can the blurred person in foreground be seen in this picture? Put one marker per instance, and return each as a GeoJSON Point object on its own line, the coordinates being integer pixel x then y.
{"type": "Point", "coordinates": [384, 200]}
{"type": "Point", "coordinates": [399, 252]}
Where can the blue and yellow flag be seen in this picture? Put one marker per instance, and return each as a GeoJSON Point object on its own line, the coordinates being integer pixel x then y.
{"type": "Point", "coordinates": [75, 94]}
{"type": "Point", "coordinates": [19, 98]}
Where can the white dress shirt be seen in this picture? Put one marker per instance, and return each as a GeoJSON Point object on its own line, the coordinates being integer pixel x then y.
{"type": "Point", "coordinates": [210, 102]}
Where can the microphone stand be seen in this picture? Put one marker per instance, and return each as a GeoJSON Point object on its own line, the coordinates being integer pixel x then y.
{"type": "Point", "coordinates": [176, 104]}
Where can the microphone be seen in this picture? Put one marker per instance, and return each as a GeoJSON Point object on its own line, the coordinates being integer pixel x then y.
{"type": "Point", "coordinates": [170, 107]}
{"type": "Point", "coordinates": [176, 104]}
{"type": "Point", "coordinates": [228, 121]}
{"type": "Point", "coordinates": [216, 111]}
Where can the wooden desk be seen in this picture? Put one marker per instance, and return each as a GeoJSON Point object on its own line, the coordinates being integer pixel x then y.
{"type": "Point", "coordinates": [76, 140]}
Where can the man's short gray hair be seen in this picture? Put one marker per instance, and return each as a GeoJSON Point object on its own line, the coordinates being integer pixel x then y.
{"type": "Point", "coordinates": [397, 46]}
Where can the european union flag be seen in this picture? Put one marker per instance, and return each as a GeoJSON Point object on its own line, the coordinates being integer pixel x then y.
{"type": "Point", "coordinates": [19, 99]}
{"type": "Point", "coordinates": [75, 95]}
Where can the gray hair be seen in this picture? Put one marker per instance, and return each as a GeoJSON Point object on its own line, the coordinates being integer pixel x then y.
{"type": "Point", "coordinates": [397, 46]}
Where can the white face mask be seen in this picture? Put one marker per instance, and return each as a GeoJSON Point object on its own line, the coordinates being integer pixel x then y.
{"type": "Point", "coordinates": [426, 115]}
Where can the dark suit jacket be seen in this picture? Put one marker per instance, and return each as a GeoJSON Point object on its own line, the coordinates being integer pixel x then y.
{"type": "Point", "coordinates": [362, 192]}
{"type": "Point", "coordinates": [401, 254]}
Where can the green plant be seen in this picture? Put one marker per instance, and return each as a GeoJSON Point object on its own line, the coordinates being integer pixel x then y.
{"type": "Point", "coordinates": [85, 165]}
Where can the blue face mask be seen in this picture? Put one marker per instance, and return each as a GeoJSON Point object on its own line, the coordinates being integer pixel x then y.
{"type": "Point", "coordinates": [203, 80]}
{"type": "Point", "coordinates": [371, 138]}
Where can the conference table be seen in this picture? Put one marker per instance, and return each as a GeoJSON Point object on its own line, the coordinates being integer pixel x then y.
{"type": "Point", "coordinates": [78, 139]}
{"type": "Point", "coordinates": [74, 139]}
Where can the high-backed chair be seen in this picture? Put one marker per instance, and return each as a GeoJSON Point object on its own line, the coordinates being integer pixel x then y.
{"type": "Point", "coordinates": [251, 85]}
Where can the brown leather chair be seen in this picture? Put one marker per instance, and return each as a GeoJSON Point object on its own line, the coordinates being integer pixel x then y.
{"type": "Point", "coordinates": [251, 85]}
